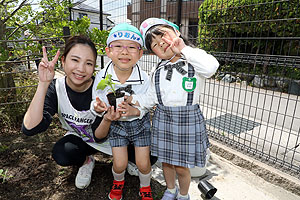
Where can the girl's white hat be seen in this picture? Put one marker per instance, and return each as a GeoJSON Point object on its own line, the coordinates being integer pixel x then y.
{"type": "Point", "coordinates": [148, 23]}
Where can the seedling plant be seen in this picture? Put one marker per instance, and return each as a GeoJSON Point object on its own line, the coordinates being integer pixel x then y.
{"type": "Point", "coordinates": [115, 94]}
{"type": "Point", "coordinates": [4, 175]}
{"type": "Point", "coordinates": [107, 82]}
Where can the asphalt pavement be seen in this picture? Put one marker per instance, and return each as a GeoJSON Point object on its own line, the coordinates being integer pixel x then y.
{"type": "Point", "coordinates": [237, 183]}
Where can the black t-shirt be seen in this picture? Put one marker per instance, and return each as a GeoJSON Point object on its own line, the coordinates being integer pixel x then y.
{"type": "Point", "coordinates": [79, 100]}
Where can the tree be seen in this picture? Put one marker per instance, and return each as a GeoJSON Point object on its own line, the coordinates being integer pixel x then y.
{"type": "Point", "coordinates": [47, 23]}
{"type": "Point", "coordinates": [17, 18]}
{"type": "Point", "coordinates": [12, 19]}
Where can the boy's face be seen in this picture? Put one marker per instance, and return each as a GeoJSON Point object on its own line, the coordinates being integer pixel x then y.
{"type": "Point", "coordinates": [124, 53]}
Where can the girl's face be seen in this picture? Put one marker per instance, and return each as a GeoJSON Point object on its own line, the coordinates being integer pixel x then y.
{"type": "Point", "coordinates": [79, 65]}
{"type": "Point", "coordinates": [160, 47]}
{"type": "Point", "coordinates": [124, 54]}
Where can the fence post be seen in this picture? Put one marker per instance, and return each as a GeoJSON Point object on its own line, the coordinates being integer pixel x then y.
{"type": "Point", "coordinates": [66, 32]}
{"type": "Point", "coordinates": [70, 11]}
{"type": "Point", "coordinates": [179, 5]}
{"type": "Point", "coordinates": [101, 28]}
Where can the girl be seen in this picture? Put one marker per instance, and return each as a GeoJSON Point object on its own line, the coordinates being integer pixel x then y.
{"type": "Point", "coordinates": [179, 137]}
{"type": "Point", "coordinates": [70, 98]}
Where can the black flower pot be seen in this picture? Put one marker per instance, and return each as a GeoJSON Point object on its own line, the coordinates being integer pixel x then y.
{"type": "Point", "coordinates": [112, 98]}
{"type": "Point", "coordinates": [207, 189]}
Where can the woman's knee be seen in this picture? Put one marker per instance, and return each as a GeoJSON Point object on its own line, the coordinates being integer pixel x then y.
{"type": "Point", "coordinates": [61, 160]}
{"type": "Point", "coordinates": [66, 154]}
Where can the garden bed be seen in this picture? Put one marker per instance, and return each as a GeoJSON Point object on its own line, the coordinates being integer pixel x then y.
{"type": "Point", "coordinates": [33, 174]}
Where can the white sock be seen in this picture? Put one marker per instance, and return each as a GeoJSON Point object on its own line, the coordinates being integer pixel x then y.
{"type": "Point", "coordinates": [118, 177]}
{"type": "Point", "coordinates": [173, 191]}
{"type": "Point", "coordinates": [145, 179]}
{"type": "Point", "coordinates": [183, 196]}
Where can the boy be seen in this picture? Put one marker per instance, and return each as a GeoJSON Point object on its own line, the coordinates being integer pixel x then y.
{"type": "Point", "coordinates": [124, 48]}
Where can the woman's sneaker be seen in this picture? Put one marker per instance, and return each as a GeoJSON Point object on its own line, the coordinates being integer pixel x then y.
{"type": "Point", "coordinates": [170, 196]}
{"type": "Point", "coordinates": [117, 190]}
{"type": "Point", "coordinates": [84, 175]}
{"type": "Point", "coordinates": [132, 169]}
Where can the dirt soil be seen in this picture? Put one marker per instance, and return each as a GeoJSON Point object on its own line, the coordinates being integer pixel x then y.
{"type": "Point", "coordinates": [33, 174]}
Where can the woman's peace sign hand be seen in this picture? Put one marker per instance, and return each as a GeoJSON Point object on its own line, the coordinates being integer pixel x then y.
{"type": "Point", "coordinates": [46, 68]}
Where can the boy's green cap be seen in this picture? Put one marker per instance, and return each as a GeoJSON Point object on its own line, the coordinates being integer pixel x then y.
{"type": "Point", "coordinates": [125, 31]}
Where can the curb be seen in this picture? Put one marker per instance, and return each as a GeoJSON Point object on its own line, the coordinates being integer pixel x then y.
{"type": "Point", "coordinates": [264, 171]}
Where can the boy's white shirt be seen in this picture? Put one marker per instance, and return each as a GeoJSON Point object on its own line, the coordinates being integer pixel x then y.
{"type": "Point", "coordinates": [172, 93]}
{"type": "Point", "coordinates": [138, 79]}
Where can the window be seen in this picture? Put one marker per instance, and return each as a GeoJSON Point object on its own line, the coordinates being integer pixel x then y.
{"type": "Point", "coordinates": [81, 15]}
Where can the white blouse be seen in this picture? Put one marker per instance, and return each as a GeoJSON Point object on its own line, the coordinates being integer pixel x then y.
{"type": "Point", "coordinates": [172, 92]}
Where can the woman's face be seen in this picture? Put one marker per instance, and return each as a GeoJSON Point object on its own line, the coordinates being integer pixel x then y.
{"type": "Point", "coordinates": [79, 65]}
{"type": "Point", "coordinates": [160, 47]}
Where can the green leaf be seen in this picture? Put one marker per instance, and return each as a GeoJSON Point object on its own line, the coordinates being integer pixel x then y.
{"type": "Point", "coordinates": [107, 82]}
{"type": "Point", "coordinates": [102, 85]}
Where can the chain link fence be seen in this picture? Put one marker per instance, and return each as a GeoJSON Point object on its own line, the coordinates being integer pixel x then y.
{"type": "Point", "coordinates": [252, 102]}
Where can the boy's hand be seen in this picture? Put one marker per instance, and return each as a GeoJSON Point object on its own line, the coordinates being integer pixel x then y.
{"type": "Point", "coordinates": [128, 99]}
{"type": "Point", "coordinates": [127, 110]}
{"type": "Point", "coordinates": [176, 43]}
{"type": "Point", "coordinates": [100, 106]}
{"type": "Point", "coordinates": [112, 115]}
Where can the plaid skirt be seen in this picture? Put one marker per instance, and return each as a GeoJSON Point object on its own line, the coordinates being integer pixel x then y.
{"type": "Point", "coordinates": [179, 136]}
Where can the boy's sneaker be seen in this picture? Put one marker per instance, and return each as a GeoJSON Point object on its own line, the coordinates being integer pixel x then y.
{"type": "Point", "coordinates": [170, 196]}
{"type": "Point", "coordinates": [132, 169]}
{"type": "Point", "coordinates": [84, 174]}
{"type": "Point", "coordinates": [117, 190]}
{"type": "Point", "coordinates": [182, 198]}
{"type": "Point", "coordinates": [146, 193]}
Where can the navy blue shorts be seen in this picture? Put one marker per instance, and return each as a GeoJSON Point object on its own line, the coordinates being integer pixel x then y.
{"type": "Point", "coordinates": [137, 132]}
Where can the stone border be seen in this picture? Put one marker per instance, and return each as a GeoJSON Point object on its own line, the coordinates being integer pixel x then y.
{"type": "Point", "coordinates": [266, 172]}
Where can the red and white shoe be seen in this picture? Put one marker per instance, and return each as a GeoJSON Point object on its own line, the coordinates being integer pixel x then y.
{"type": "Point", "coordinates": [117, 190]}
{"type": "Point", "coordinates": [146, 193]}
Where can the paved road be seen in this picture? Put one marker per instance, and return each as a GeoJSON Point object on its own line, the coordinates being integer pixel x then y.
{"type": "Point", "coordinates": [234, 183]}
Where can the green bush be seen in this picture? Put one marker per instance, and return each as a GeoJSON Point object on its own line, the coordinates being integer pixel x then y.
{"type": "Point", "coordinates": [248, 19]}
{"type": "Point", "coordinates": [264, 27]}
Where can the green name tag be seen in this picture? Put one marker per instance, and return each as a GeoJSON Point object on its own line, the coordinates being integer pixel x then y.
{"type": "Point", "coordinates": [189, 84]}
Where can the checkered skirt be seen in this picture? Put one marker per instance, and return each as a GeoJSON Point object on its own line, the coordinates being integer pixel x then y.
{"type": "Point", "coordinates": [179, 136]}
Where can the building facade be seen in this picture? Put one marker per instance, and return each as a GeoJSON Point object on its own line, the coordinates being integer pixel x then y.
{"type": "Point", "coordinates": [139, 10]}
{"type": "Point", "coordinates": [81, 10]}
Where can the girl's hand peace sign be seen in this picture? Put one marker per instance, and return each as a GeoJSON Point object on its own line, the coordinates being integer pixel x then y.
{"type": "Point", "coordinates": [176, 43]}
{"type": "Point", "coordinates": [46, 68]}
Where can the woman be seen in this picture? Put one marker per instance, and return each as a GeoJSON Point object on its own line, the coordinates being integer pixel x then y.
{"type": "Point", "coordinates": [70, 98]}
